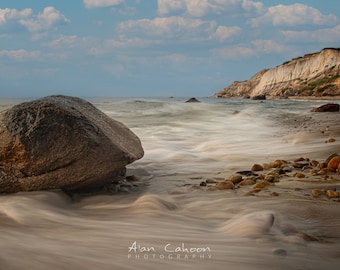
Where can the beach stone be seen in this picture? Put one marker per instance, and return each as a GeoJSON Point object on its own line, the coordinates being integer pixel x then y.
{"type": "Point", "coordinates": [330, 140]}
{"type": "Point", "coordinates": [299, 175]}
{"type": "Point", "coordinates": [261, 185]}
{"type": "Point", "coordinates": [317, 193]}
{"type": "Point", "coordinates": [333, 163]}
{"type": "Point", "coordinates": [280, 252]}
{"type": "Point", "coordinates": [271, 177]}
{"type": "Point", "coordinates": [332, 194]}
{"type": "Point", "coordinates": [329, 107]}
{"type": "Point", "coordinates": [267, 166]}
{"type": "Point", "coordinates": [225, 185]}
{"type": "Point", "coordinates": [246, 182]}
{"type": "Point", "coordinates": [314, 163]}
{"type": "Point", "coordinates": [274, 194]}
{"type": "Point", "coordinates": [235, 178]}
{"type": "Point", "coordinates": [330, 157]}
{"type": "Point", "coordinates": [278, 163]}
{"type": "Point", "coordinates": [62, 142]}
{"type": "Point", "coordinates": [210, 181]}
{"type": "Point", "coordinates": [257, 167]}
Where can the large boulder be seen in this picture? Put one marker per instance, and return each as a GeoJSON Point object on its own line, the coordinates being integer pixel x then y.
{"type": "Point", "coordinates": [61, 142]}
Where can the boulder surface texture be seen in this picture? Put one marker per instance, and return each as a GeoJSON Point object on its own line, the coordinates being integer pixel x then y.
{"type": "Point", "coordinates": [61, 142]}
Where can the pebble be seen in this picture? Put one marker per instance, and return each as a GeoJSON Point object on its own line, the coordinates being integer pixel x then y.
{"type": "Point", "coordinates": [332, 194]}
{"type": "Point", "coordinates": [299, 175]}
{"type": "Point", "coordinates": [261, 185]}
{"type": "Point", "coordinates": [333, 163]}
{"type": "Point", "coordinates": [267, 166]}
{"type": "Point", "coordinates": [257, 167]}
{"type": "Point", "coordinates": [314, 163]}
{"type": "Point", "coordinates": [246, 182]}
{"type": "Point", "coordinates": [235, 178]}
{"type": "Point", "coordinates": [274, 194]}
{"type": "Point", "coordinates": [317, 193]}
{"type": "Point", "coordinates": [210, 181]}
{"type": "Point", "coordinates": [278, 163]}
{"type": "Point", "coordinates": [225, 185]}
{"type": "Point", "coordinates": [330, 140]}
{"type": "Point", "coordinates": [280, 252]}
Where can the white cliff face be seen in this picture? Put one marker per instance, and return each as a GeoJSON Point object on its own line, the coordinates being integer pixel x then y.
{"type": "Point", "coordinates": [291, 78]}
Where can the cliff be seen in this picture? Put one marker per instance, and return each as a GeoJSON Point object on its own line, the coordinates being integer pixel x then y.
{"type": "Point", "coordinates": [316, 74]}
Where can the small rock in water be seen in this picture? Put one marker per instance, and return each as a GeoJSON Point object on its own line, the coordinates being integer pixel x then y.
{"type": "Point", "coordinates": [333, 163]}
{"type": "Point", "coordinates": [210, 181]}
{"type": "Point", "coordinates": [280, 252]}
{"type": "Point", "coordinates": [317, 193]}
{"type": "Point", "coordinates": [246, 182]}
{"type": "Point", "coordinates": [299, 175]}
{"type": "Point", "coordinates": [203, 184]}
{"type": "Point", "coordinates": [257, 167]}
{"type": "Point", "coordinates": [330, 140]}
{"type": "Point", "coordinates": [329, 107]}
{"type": "Point", "coordinates": [332, 194]}
{"type": "Point", "coordinates": [261, 185]}
{"type": "Point", "coordinates": [225, 185]}
{"type": "Point", "coordinates": [235, 178]}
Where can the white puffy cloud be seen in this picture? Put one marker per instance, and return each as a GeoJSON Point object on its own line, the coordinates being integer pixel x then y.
{"type": "Point", "coordinates": [320, 35]}
{"type": "Point", "coordinates": [7, 14]}
{"type": "Point", "coordinates": [101, 3]}
{"type": "Point", "coordinates": [291, 15]}
{"type": "Point", "coordinates": [48, 18]}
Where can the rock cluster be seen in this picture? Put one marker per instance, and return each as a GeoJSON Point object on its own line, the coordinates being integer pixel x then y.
{"type": "Point", "coordinates": [61, 142]}
{"type": "Point", "coordinates": [263, 177]}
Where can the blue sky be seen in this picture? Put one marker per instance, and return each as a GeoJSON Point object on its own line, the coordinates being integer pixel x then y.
{"type": "Point", "coordinates": [145, 48]}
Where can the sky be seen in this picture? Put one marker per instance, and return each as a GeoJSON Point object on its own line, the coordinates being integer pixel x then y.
{"type": "Point", "coordinates": [150, 48]}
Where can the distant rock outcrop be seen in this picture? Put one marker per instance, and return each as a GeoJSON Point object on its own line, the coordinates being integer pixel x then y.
{"type": "Point", "coordinates": [61, 142]}
{"type": "Point", "coordinates": [329, 107]}
{"type": "Point", "coordinates": [316, 74]}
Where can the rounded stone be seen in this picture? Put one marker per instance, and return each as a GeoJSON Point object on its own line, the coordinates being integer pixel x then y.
{"type": "Point", "coordinates": [257, 167]}
{"type": "Point", "coordinates": [225, 185]}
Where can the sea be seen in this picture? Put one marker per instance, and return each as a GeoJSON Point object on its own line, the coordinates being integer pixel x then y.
{"type": "Point", "coordinates": [167, 219]}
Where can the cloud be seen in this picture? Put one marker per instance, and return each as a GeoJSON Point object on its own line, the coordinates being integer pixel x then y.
{"type": "Point", "coordinates": [101, 3]}
{"type": "Point", "coordinates": [268, 46]}
{"type": "Point", "coordinates": [223, 33]}
{"type": "Point", "coordinates": [199, 8]}
{"type": "Point", "coordinates": [50, 17]}
{"type": "Point", "coordinates": [178, 28]}
{"type": "Point", "coordinates": [292, 15]}
{"type": "Point", "coordinates": [7, 15]}
{"type": "Point", "coordinates": [320, 35]}
{"type": "Point", "coordinates": [233, 52]}
{"type": "Point", "coordinates": [167, 27]}
{"type": "Point", "coordinates": [258, 47]}
{"type": "Point", "coordinates": [20, 55]}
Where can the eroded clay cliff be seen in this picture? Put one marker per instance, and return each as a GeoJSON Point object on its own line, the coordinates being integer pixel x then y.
{"type": "Point", "coordinates": [316, 74]}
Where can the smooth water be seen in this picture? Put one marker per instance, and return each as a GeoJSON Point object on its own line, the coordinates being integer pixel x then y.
{"type": "Point", "coordinates": [165, 225]}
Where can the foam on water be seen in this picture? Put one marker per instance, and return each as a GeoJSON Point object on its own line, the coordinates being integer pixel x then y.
{"type": "Point", "coordinates": [209, 230]}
